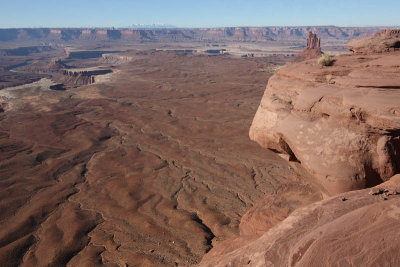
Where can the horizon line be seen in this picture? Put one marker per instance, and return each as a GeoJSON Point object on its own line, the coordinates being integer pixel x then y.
{"type": "Point", "coordinates": [188, 27]}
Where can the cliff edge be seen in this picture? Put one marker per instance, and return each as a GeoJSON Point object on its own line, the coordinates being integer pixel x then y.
{"type": "Point", "coordinates": [342, 124]}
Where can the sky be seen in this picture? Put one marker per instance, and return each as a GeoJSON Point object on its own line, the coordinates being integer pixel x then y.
{"type": "Point", "coordinates": [197, 13]}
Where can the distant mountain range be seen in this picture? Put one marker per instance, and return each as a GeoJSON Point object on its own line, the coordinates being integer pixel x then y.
{"type": "Point", "coordinates": [165, 34]}
{"type": "Point", "coordinates": [151, 26]}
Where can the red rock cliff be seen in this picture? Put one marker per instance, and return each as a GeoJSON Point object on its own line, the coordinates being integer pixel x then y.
{"type": "Point", "coordinates": [343, 124]}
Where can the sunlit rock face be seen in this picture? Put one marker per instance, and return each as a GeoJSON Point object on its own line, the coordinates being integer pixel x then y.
{"type": "Point", "coordinates": [358, 228]}
{"type": "Point", "coordinates": [341, 122]}
{"type": "Point", "coordinates": [384, 41]}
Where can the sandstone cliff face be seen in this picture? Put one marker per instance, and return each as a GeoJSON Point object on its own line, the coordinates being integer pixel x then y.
{"type": "Point", "coordinates": [341, 122]}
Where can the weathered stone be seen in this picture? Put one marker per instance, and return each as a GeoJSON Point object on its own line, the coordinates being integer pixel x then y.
{"type": "Point", "coordinates": [325, 234]}
{"type": "Point", "coordinates": [384, 41]}
{"type": "Point", "coordinates": [313, 49]}
{"type": "Point", "coordinates": [313, 42]}
{"type": "Point", "coordinates": [346, 134]}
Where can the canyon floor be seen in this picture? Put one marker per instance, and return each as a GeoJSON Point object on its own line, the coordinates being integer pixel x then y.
{"type": "Point", "coordinates": [149, 166]}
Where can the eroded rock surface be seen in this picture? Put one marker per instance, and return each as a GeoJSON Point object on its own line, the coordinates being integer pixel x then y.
{"type": "Point", "coordinates": [384, 41]}
{"type": "Point", "coordinates": [356, 228]}
{"type": "Point", "coordinates": [313, 48]}
{"type": "Point", "coordinates": [151, 168]}
{"type": "Point", "coordinates": [79, 77]}
{"type": "Point", "coordinates": [341, 122]}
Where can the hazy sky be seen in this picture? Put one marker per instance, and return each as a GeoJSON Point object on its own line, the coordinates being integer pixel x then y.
{"type": "Point", "coordinates": [199, 13]}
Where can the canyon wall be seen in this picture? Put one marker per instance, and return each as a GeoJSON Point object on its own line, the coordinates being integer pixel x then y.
{"type": "Point", "coordinates": [342, 124]}
{"type": "Point", "coordinates": [186, 34]}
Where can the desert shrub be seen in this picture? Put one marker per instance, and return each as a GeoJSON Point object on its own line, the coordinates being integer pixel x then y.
{"type": "Point", "coordinates": [328, 78]}
{"type": "Point", "coordinates": [325, 60]}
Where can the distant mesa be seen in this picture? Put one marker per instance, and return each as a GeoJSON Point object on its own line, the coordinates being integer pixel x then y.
{"type": "Point", "coordinates": [78, 77]}
{"type": "Point", "coordinates": [168, 33]}
{"type": "Point", "coordinates": [87, 54]}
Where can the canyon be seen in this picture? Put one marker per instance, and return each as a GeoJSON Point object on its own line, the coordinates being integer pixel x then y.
{"type": "Point", "coordinates": [151, 166]}
{"type": "Point", "coordinates": [137, 147]}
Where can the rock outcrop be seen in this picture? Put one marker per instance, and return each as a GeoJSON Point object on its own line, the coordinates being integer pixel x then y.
{"type": "Point", "coordinates": [313, 49]}
{"type": "Point", "coordinates": [77, 77]}
{"type": "Point", "coordinates": [115, 58]}
{"type": "Point", "coordinates": [313, 42]}
{"type": "Point", "coordinates": [359, 228]}
{"type": "Point", "coordinates": [341, 122]}
{"type": "Point", "coordinates": [57, 65]}
{"type": "Point", "coordinates": [384, 41]}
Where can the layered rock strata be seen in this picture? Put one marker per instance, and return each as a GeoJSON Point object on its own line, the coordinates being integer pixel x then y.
{"type": "Point", "coordinates": [79, 77]}
{"type": "Point", "coordinates": [195, 34]}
